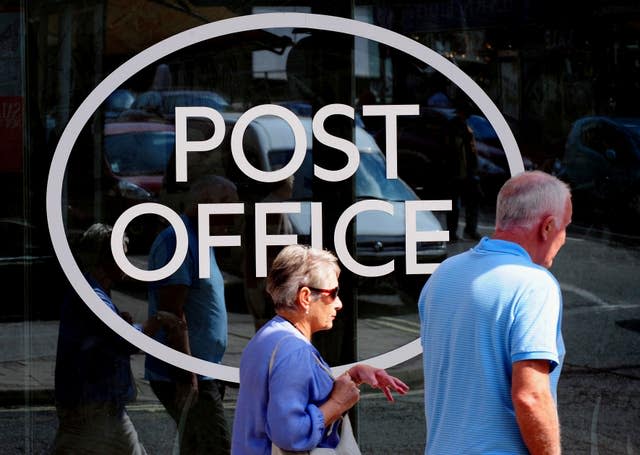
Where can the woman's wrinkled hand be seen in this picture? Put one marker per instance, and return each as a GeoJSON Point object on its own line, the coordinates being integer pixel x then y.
{"type": "Point", "coordinates": [378, 379]}
{"type": "Point", "coordinates": [345, 392]}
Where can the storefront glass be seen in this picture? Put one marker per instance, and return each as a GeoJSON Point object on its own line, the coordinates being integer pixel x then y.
{"type": "Point", "coordinates": [563, 77]}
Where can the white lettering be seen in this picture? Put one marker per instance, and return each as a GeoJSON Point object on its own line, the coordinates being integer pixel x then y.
{"type": "Point", "coordinates": [300, 143]}
{"type": "Point", "coordinates": [117, 236]}
{"type": "Point", "coordinates": [263, 239]}
{"type": "Point", "coordinates": [349, 148]}
{"type": "Point", "coordinates": [413, 236]}
{"type": "Point", "coordinates": [340, 238]}
{"type": "Point", "coordinates": [183, 145]}
{"type": "Point", "coordinates": [206, 241]}
{"type": "Point", "coordinates": [390, 113]}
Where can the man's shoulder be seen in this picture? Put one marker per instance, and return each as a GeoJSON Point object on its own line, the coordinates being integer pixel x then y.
{"type": "Point", "coordinates": [164, 247]}
{"type": "Point", "coordinates": [456, 260]}
{"type": "Point", "coordinates": [164, 242]}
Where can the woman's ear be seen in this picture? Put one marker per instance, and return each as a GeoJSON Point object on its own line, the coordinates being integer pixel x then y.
{"type": "Point", "coordinates": [304, 299]}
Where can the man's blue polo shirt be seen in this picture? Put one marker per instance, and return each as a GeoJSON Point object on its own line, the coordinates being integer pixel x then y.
{"type": "Point", "coordinates": [480, 312]}
{"type": "Point", "coordinates": [205, 310]}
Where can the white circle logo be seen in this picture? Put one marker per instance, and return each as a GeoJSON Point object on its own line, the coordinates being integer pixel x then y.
{"type": "Point", "coordinates": [196, 35]}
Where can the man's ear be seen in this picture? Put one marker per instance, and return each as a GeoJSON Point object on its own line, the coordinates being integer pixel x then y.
{"type": "Point", "coordinates": [546, 227]}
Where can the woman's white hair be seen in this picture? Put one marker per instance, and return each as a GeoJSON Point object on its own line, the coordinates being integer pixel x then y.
{"type": "Point", "coordinates": [528, 197]}
{"type": "Point", "coordinates": [297, 266]}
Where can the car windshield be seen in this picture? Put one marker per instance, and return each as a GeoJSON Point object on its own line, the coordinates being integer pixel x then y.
{"type": "Point", "coordinates": [143, 153]}
{"type": "Point", "coordinates": [371, 179]}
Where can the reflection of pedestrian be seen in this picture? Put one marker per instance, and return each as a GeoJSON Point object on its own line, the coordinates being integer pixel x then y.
{"type": "Point", "coordinates": [288, 396]}
{"type": "Point", "coordinates": [491, 330]}
{"type": "Point", "coordinates": [258, 301]}
{"type": "Point", "coordinates": [463, 186]}
{"type": "Point", "coordinates": [440, 100]}
{"type": "Point", "coordinates": [193, 401]}
{"type": "Point", "coordinates": [93, 379]}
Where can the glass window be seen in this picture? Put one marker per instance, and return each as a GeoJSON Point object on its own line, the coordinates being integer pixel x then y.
{"type": "Point", "coordinates": [567, 90]}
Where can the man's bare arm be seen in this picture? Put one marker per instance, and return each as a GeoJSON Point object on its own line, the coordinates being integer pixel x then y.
{"type": "Point", "coordinates": [535, 408]}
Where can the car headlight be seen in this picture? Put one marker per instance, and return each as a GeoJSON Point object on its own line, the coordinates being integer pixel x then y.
{"type": "Point", "coordinates": [132, 191]}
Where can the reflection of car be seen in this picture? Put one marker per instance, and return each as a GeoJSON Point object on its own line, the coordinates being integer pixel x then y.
{"type": "Point", "coordinates": [26, 256]}
{"type": "Point", "coordinates": [120, 100]}
{"type": "Point", "coordinates": [379, 236]}
{"type": "Point", "coordinates": [164, 102]}
{"type": "Point", "coordinates": [160, 105]}
{"type": "Point", "coordinates": [135, 158]}
{"type": "Point", "coordinates": [268, 145]}
{"type": "Point", "coordinates": [602, 164]}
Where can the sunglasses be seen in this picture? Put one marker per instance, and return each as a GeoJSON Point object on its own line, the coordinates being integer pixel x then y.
{"type": "Point", "coordinates": [333, 293]}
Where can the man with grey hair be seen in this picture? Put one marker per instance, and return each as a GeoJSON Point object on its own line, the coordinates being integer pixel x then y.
{"type": "Point", "coordinates": [193, 401]}
{"type": "Point", "coordinates": [491, 330]}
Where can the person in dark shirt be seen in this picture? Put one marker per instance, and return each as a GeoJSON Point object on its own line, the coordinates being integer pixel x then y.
{"type": "Point", "coordinates": [93, 380]}
{"type": "Point", "coordinates": [463, 187]}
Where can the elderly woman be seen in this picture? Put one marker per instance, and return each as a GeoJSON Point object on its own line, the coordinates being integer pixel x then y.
{"type": "Point", "coordinates": [287, 396]}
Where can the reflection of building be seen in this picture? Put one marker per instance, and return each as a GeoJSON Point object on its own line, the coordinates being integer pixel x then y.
{"type": "Point", "coordinates": [542, 72]}
{"type": "Point", "coordinates": [543, 64]}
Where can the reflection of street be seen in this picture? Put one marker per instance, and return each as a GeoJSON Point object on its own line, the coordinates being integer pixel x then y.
{"type": "Point", "coordinates": [599, 392]}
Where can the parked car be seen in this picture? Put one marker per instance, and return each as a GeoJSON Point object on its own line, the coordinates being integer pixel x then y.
{"type": "Point", "coordinates": [135, 158]}
{"type": "Point", "coordinates": [269, 144]}
{"type": "Point", "coordinates": [31, 279]}
{"type": "Point", "coordinates": [160, 106]}
{"type": "Point", "coordinates": [601, 163]}
{"type": "Point", "coordinates": [116, 103]}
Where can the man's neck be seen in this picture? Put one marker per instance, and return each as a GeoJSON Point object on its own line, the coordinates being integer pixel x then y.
{"type": "Point", "coordinates": [523, 237]}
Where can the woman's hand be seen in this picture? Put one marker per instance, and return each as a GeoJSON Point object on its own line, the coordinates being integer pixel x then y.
{"type": "Point", "coordinates": [378, 379]}
{"type": "Point", "coordinates": [344, 396]}
{"type": "Point", "coordinates": [345, 392]}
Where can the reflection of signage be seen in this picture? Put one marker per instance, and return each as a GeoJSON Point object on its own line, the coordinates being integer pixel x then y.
{"type": "Point", "coordinates": [214, 30]}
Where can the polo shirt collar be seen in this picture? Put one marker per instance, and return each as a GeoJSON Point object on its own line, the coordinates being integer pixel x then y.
{"type": "Point", "coordinates": [487, 244]}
